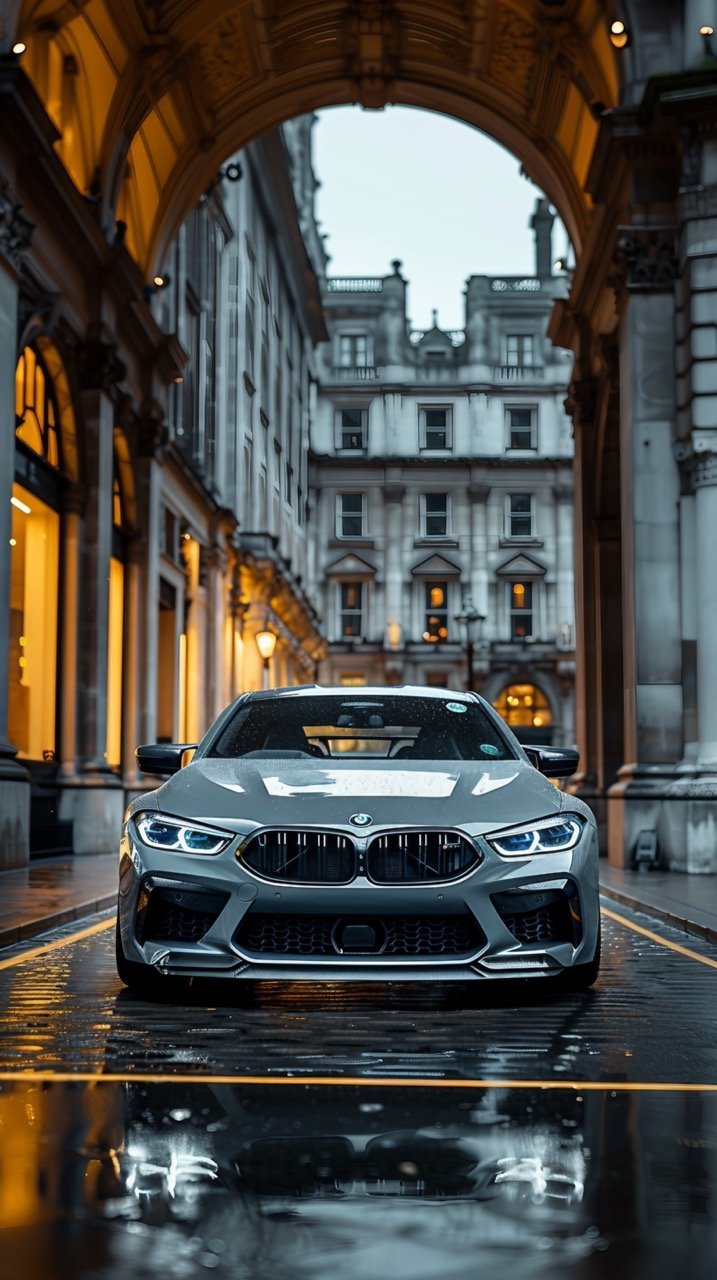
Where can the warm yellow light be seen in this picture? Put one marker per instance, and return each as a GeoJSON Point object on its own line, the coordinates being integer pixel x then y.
{"type": "Point", "coordinates": [394, 634]}
{"type": "Point", "coordinates": [537, 721]}
{"type": "Point", "coordinates": [21, 506]}
{"type": "Point", "coordinates": [18, 48]}
{"type": "Point", "coordinates": [22, 662]}
{"type": "Point", "coordinates": [617, 27]}
{"type": "Point", "coordinates": [22, 641]}
{"type": "Point", "coordinates": [265, 643]}
{"type": "Point", "coordinates": [159, 281]}
{"type": "Point", "coordinates": [13, 542]}
{"type": "Point", "coordinates": [707, 30]}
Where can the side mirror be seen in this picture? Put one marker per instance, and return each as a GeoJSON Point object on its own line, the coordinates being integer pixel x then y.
{"type": "Point", "coordinates": [163, 757]}
{"type": "Point", "coordinates": [554, 762]}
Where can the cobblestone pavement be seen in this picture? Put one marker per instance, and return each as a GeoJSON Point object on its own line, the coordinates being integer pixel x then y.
{"type": "Point", "coordinates": [357, 1133]}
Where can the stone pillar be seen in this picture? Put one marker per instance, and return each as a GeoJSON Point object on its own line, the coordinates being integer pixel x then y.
{"type": "Point", "coordinates": [478, 495]}
{"type": "Point", "coordinates": [94, 802]}
{"type": "Point", "coordinates": [71, 575]}
{"type": "Point", "coordinates": [652, 642]}
{"type": "Point", "coordinates": [704, 479]}
{"type": "Point", "coordinates": [15, 235]}
{"type": "Point", "coordinates": [134, 660]}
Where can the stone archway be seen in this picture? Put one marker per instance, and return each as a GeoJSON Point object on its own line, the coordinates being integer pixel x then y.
{"type": "Point", "coordinates": [148, 101]}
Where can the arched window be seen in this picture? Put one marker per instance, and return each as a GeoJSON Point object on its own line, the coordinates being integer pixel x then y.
{"type": "Point", "coordinates": [525, 708]}
{"type": "Point", "coordinates": [35, 560]}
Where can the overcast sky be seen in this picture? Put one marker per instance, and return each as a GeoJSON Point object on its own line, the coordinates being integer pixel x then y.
{"type": "Point", "coordinates": [439, 195]}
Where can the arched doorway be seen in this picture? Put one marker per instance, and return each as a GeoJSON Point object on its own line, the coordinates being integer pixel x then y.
{"type": "Point", "coordinates": [527, 711]}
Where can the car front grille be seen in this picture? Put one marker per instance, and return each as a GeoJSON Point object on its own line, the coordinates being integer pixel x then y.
{"type": "Point", "coordinates": [419, 857]}
{"type": "Point", "coordinates": [179, 915]}
{"type": "Point", "coordinates": [322, 935]}
{"type": "Point", "coordinates": [549, 917]}
{"type": "Point", "coordinates": [326, 857]}
{"type": "Point", "coordinates": [301, 857]}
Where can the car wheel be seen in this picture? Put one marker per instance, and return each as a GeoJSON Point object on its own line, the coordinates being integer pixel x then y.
{"type": "Point", "coordinates": [138, 977]}
{"type": "Point", "coordinates": [582, 976]}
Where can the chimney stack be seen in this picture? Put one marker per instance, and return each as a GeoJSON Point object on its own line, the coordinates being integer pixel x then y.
{"type": "Point", "coordinates": [542, 224]}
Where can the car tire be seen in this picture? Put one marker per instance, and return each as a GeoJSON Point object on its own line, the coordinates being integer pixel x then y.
{"type": "Point", "coordinates": [582, 977]}
{"type": "Point", "coordinates": [138, 977]}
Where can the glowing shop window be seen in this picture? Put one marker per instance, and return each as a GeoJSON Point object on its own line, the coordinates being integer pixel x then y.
{"type": "Point", "coordinates": [524, 705]}
{"type": "Point", "coordinates": [32, 670]}
{"type": "Point", "coordinates": [113, 746]}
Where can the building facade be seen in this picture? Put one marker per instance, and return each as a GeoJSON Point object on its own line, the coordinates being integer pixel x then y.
{"type": "Point", "coordinates": [159, 486]}
{"type": "Point", "coordinates": [442, 495]}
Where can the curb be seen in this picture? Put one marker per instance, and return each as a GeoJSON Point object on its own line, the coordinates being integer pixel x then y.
{"type": "Point", "coordinates": [42, 924]}
{"type": "Point", "coordinates": [704, 931]}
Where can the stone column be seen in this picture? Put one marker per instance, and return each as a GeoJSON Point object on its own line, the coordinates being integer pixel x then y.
{"type": "Point", "coordinates": [15, 235]}
{"type": "Point", "coordinates": [652, 642]}
{"type": "Point", "coordinates": [133, 656]}
{"type": "Point", "coordinates": [704, 479]}
{"type": "Point", "coordinates": [94, 802]}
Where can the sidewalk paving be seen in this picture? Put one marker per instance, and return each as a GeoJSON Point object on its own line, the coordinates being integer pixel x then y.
{"type": "Point", "coordinates": [56, 891]}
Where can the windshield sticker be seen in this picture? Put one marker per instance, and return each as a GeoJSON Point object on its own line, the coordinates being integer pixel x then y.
{"type": "Point", "coordinates": [486, 784]}
{"type": "Point", "coordinates": [369, 782]}
{"type": "Point", "coordinates": [489, 750]}
{"type": "Point", "coordinates": [458, 707]}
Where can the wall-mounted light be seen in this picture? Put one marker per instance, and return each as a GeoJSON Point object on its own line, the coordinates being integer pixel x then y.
{"type": "Point", "coordinates": [707, 31]}
{"type": "Point", "coordinates": [21, 506]}
{"type": "Point", "coordinates": [160, 281]}
{"type": "Point", "coordinates": [266, 644]}
{"type": "Point", "coordinates": [619, 34]}
{"type": "Point", "coordinates": [19, 48]}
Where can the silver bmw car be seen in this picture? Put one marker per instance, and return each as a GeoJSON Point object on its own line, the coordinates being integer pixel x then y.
{"type": "Point", "coordinates": [355, 834]}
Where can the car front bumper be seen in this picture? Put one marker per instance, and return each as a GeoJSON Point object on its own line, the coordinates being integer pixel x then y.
{"type": "Point", "coordinates": [209, 917]}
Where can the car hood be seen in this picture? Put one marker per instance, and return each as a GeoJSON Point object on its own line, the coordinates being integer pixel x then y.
{"type": "Point", "coordinates": [274, 792]}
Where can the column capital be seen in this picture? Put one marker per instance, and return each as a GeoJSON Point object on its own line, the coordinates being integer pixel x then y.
{"type": "Point", "coordinates": [649, 258]}
{"type": "Point", "coordinates": [16, 230]}
{"type": "Point", "coordinates": [99, 366]}
{"type": "Point", "coordinates": [478, 492]}
{"type": "Point", "coordinates": [149, 429]}
{"type": "Point", "coordinates": [697, 461]}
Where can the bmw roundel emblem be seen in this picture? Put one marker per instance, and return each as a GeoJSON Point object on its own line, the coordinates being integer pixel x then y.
{"type": "Point", "coordinates": [361, 819]}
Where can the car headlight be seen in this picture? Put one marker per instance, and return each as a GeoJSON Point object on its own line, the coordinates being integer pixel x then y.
{"type": "Point", "coordinates": [160, 832]}
{"type": "Point", "coordinates": [549, 835]}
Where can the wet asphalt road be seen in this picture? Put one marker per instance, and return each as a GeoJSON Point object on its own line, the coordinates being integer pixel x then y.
{"type": "Point", "coordinates": [360, 1133]}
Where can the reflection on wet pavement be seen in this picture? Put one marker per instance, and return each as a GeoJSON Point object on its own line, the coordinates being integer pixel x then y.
{"type": "Point", "coordinates": [645, 1020]}
{"type": "Point", "coordinates": [324, 1183]}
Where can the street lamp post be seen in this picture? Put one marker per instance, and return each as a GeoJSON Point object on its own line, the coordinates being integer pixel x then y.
{"type": "Point", "coordinates": [472, 620]}
{"type": "Point", "coordinates": [266, 644]}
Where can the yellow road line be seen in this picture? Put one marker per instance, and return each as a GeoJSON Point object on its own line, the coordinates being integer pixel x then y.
{"type": "Point", "coordinates": [60, 942]}
{"type": "Point", "coordinates": [656, 937]}
{"type": "Point", "coordinates": [364, 1082]}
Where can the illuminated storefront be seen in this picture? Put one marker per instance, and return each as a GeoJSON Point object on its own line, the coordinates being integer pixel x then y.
{"type": "Point", "coordinates": [526, 709]}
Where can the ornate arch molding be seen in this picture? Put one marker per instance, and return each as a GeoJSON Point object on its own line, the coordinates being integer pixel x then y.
{"type": "Point", "coordinates": [172, 90]}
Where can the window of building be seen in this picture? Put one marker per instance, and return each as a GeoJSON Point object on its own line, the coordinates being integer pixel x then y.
{"type": "Point", "coordinates": [35, 408]}
{"type": "Point", "coordinates": [435, 425]}
{"type": "Point", "coordinates": [521, 609]}
{"type": "Point", "coordinates": [115, 628]}
{"type": "Point", "coordinates": [350, 515]}
{"type": "Point", "coordinates": [351, 428]}
{"type": "Point", "coordinates": [524, 706]}
{"type": "Point", "coordinates": [169, 533]}
{"type": "Point", "coordinates": [353, 350]}
{"type": "Point", "coordinates": [434, 515]}
{"type": "Point", "coordinates": [521, 427]}
{"type": "Point", "coordinates": [34, 567]}
{"type": "Point", "coordinates": [519, 350]}
{"type": "Point", "coordinates": [351, 600]}
{"type": "Point", "coordinates": [435, 629]}
{"type": "Point", "coordinates": [168, 666]}
{"type": "Point", "coordinates": [519, 515]}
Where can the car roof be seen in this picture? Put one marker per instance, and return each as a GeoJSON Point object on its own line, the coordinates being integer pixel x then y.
{"type": "Point", "coordinates": [360, 691]}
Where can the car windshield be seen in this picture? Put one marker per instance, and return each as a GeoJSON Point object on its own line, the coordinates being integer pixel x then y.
{"type": "Point", "coordinates": [371, 727]}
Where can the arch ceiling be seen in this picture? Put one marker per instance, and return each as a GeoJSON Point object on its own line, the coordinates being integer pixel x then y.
{"type": "Point", "coordinates": [151, 96]}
